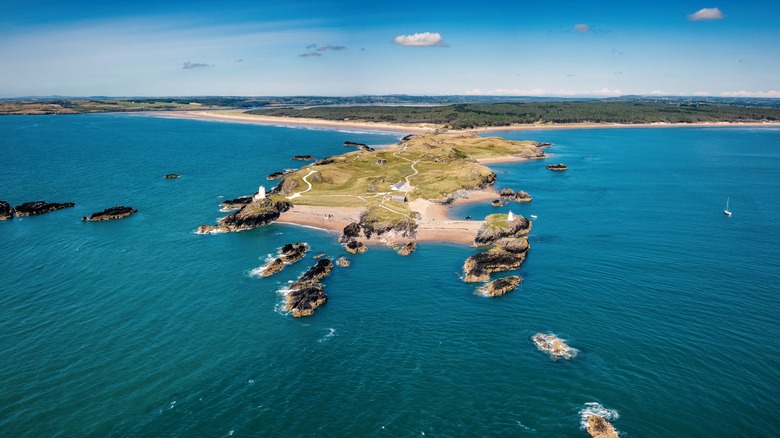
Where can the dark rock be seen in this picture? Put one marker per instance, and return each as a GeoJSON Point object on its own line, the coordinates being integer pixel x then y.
{"type": "Point", "coordinates": [324, 161]}
{"type": "Point", "coordinates": [320, 270]}
{"type": "Point", "coordinates": [303, 158]}
{"type": "Point", "coordinates": [381, 161]}
{"type": "Point", "coordinates": [479, 267]}
{"type": "Point", "coordinates": [272, 267]}
{"type": "Point", "coordinates": [557, 167]}
{"type": "Point", "coordinates": [355, 247]}
{"type": "Point", "coordinates": [542, 144]}
{"type": "Point", "coordinates": [40, 207]}
{"type": "Point", "coordinates": [490, 233]}
{"type": "Point", "coordinates": [350, 232]}
{"type": "Point", "coordinates": [118, 212]}
{"type": "Point", "coordinates": [303, 301]}
{"type": "Point", "coordinates": [172, 176]}
{"type": "Point", "coordinates": [236, 203]}
{"type": "Point", "coordinates": [407, 137]}
{"type": "Point", "coordinates": [500, 286]}
{"type": "Point", "coordinates": [511, 195]}
{"type": "Point", "coordinates": [277, 175]}
{"type": "Point", "coordinates": [516, 246]}
{"type": "Point", "coordinates": [498, 203]}
{"type": "Point", "coordinates": [292, 252]}
{"type": "Point", "coordinates": [253, 215]}
{"type": "Point", "coordinates": [352, 143]}
{"type": "Point", "coordinates": [407, 249]}
{"type": "Point", "coordinates": [6, 211]}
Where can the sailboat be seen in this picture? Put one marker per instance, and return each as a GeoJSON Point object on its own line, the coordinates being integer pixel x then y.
{"type": "Point", "coordinates": [727, 212]}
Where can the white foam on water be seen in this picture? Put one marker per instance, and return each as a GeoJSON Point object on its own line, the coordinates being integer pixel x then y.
{"type": "Point", "coordinates": [530, 429]}
{"type": "Point", "coordinates": [331, 333]}
{"type": "Point", "coordinates": [594, 408]}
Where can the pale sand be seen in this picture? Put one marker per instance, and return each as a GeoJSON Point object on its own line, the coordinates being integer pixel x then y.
{"type": "Point", "coordinates": [434, 225]}
{"type": "Point", "coordinates": [555, 126]}
{"type": "Point", "coordinates": [240, 116]}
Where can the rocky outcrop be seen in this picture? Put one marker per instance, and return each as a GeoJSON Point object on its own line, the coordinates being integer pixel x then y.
{"type": "Point", "coordinates": [303, 158]}
{"type": "Point", "coordinates": [500, 286]}
{"type": "Point", "coordinates": [306, 293]}
{"type": "Point", "coordinates": [542, 144]}
{"type": "Point", "coordinates": [272, 267]}
{"type": "Point", "coordinates": [517, 245]}
{"type": "Point", "coordinates": [361, 146]}
{"type": "Point", "coordinates": [40, 207]}
{"type": "Point", "coordinates": [6, 211]}
{"type": "Point", "coordinates": [233, 204]}
{"type": "Point", "coordinates": [343, 262]}
{"type": "Point", "coordinates": [118, 212]}
{"type": "Point", "coordinates": [255, 214]}
{"type": "Point", "coordinates": [278, 175]}
{"type": "Point", "coordinates": [172, 176]}
{"type": "Point", "coordinates": [511, 195]}
{"type": "Point", "coordinates": [498, 203]}
{"type": "Point", "coordinates": [350, 232]}
{"type": "Point", "coordinates": [554, 345]}
{"type": "Point", "coordinates": [319, 256]}
{"type": "Point", "coordinates": [479, 267]}
{"type": "Point", "coordinates": [292, 252]}
{"type": "Point", "coordinates": [355, 247]}
{"type": "Point", "coordinates": [407, 249]}
{"type": "Point", "coordinates": [324, 161]}
{"type": "Point", "coordinates": [557, 167]}
{"type": "Point", "coordinates": [497, 227]}
{"type": "Point", "coordinates": [599, 427]}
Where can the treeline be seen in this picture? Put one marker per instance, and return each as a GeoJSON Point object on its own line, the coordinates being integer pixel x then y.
{"type": "Point", "coordinates": [466, 116]}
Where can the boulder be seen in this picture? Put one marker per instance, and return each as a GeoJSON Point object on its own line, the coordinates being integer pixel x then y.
{"type": "Point", "coordinates": [292, 252]}
{"type": "Point", "coordinates": [511, 195]}
{"type": "Point", "coordinates": [554, 345]}
{"type": "Point", "coordinates": [118, 212]}
{"type": "Point", "coordinates": [343, 262]}
{"type": "Point", "coordinates": [350, 232]}
{"type": "Point", "coordinates": [516, 246]}
{"type": "Point", "coordinates": [355, 247]}
{"type": "Point", "coordinates": [498, 203]}
{"type": "Point", "coordinates": [599, 427]}
{"type": "Point", "coordinates": [407, 249]}
{"type": "Point", "coordinates": [40, 207]}
{"type": "Point", "coordinates": [500, 286]}
{"type": "Point", "coordinates": [6, 211]}
{"type": "Point", "coordinates": [272, 267]}
{"type": "Point", "coordinates": [557, 167]}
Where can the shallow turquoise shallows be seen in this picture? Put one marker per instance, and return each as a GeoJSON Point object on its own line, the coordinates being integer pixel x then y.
{"type": "Point", "coordinates": [140, 327]}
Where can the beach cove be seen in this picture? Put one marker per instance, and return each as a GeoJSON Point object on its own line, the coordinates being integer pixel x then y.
{"type": "Point", "coordinates": [141, 326]}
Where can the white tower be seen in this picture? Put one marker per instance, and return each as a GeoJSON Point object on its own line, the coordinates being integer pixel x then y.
{"type": "Point", "coordinates": [510, 217]}
{"type": "Point", "coordinates": [260, 193]}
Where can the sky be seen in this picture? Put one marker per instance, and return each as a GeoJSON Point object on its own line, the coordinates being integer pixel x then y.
{"type": "Point", "coordinates": [347, 48]}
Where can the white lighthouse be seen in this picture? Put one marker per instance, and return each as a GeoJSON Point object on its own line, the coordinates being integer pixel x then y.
{"type": "Point", "coordinates": [260, 193]}
{"type": "Point", "coordinates": [510, 217]}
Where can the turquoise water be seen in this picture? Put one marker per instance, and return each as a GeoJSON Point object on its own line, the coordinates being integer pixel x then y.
{"type": "Point", "coordinates": [141, 327]}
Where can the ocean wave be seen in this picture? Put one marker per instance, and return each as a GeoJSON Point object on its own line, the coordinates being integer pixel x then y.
{"type": "Point", "coordinates": [331, 333]}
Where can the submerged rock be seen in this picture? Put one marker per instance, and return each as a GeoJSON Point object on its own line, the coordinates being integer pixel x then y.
{"type": "Point", "coordinates": [40, 207]}
{"type": "Point", "coordinates": [500, 286]}
{"type": "Point", "coordinates": [554, 345]}
{"type": "Point", "coordinates": [557, 167]}
{"type": "Point", "coordinates": [172, 176]}
{"type": "Point", "coordinates": [599, 427]}
{"type": "Point", "coordinates": [498, 203]}
{"type": "Point", "coordinates": [118, 212]}
{"type": "Point", "coordinates": [355, 247]}
{"type": "Point", "coordinates": [407, 249]}
{"type": "Point", "coordinates": [479, 267]}
{"type": "Point", "coordinates": [319, 256]}
{"type": "Point", "coordinates": [6, 211]}
{"type": "Point", "coordinates": [343, 262]}
{"type": "Point", "coordinates": [303, 158]}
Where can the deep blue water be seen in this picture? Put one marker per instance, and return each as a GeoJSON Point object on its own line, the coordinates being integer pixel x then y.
{"type": "Point", "coordinates": [141, 327]}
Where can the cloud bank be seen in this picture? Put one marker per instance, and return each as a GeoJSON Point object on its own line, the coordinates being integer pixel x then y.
{"type": "Point", "coordinates": [190, 65]}
{"type": "Point", "coordinates": [581, 27]}
{"type": "Point", "coordinates": [424, 39]}
{"type": "Point", "coordinates": [744, 93]}
{"type": "Point", "coordinates": [542, 92]}
{"type": "Point", "coordinates": [706, 14]}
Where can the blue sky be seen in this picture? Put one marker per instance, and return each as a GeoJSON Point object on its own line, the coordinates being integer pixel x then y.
{"type": "Point", "coordinates": [563, 48]}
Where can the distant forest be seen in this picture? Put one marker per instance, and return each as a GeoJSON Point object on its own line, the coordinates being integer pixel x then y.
{"type": "Point", "coordinates": [466, 116]}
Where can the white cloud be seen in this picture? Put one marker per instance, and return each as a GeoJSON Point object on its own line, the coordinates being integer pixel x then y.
{"type": "Point", "coordinates": [659, 93]}
{"type": "Point", "coordinates": [581, 27]}
{"type": "Point", "coordinates": [424, 39]}
{"type": "Point", "coordinates": [743, 93]}
{"type": "Point", "coordinates": [707, 14]}
{"type": "Point", "coordinates": [702, 93]}
{"type": "Point", "coordinates": [542, 92]}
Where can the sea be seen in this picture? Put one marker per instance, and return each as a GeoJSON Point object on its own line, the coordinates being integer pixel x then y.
{"type": "Point", "coordinates": [141, 327]}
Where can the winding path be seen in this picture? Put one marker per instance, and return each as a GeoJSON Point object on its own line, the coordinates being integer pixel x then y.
{"type": "Point", "coordinates": [297, 194]}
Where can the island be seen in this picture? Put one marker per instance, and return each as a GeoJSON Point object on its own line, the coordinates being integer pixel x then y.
{"type": "Point", "coordinates": [113, 213]}
{"type": "Point", "coordinates": [557, 167]}
{"type": "Point", "coordinates": [40, 207]}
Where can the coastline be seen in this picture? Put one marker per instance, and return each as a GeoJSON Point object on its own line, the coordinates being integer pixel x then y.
{"type": "Point", "coordinates": [435, 223]}
{"type": "Point", "coordinates": [241, 117]}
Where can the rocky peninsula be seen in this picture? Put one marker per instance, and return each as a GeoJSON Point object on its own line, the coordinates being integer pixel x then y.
{"type": "Point", "coordinates": [118, 212]}
{"type": "Point", "coordinates": [40, 207]}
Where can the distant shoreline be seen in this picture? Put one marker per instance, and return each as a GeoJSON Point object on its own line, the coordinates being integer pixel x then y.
{"type": "Point", "coordinates": [242, 117]}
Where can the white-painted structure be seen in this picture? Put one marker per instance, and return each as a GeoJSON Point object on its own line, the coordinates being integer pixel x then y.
{"type": "Point", "coordinates": [510, 217]}
{"type": "Point", "coordinates": [260, 193]}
